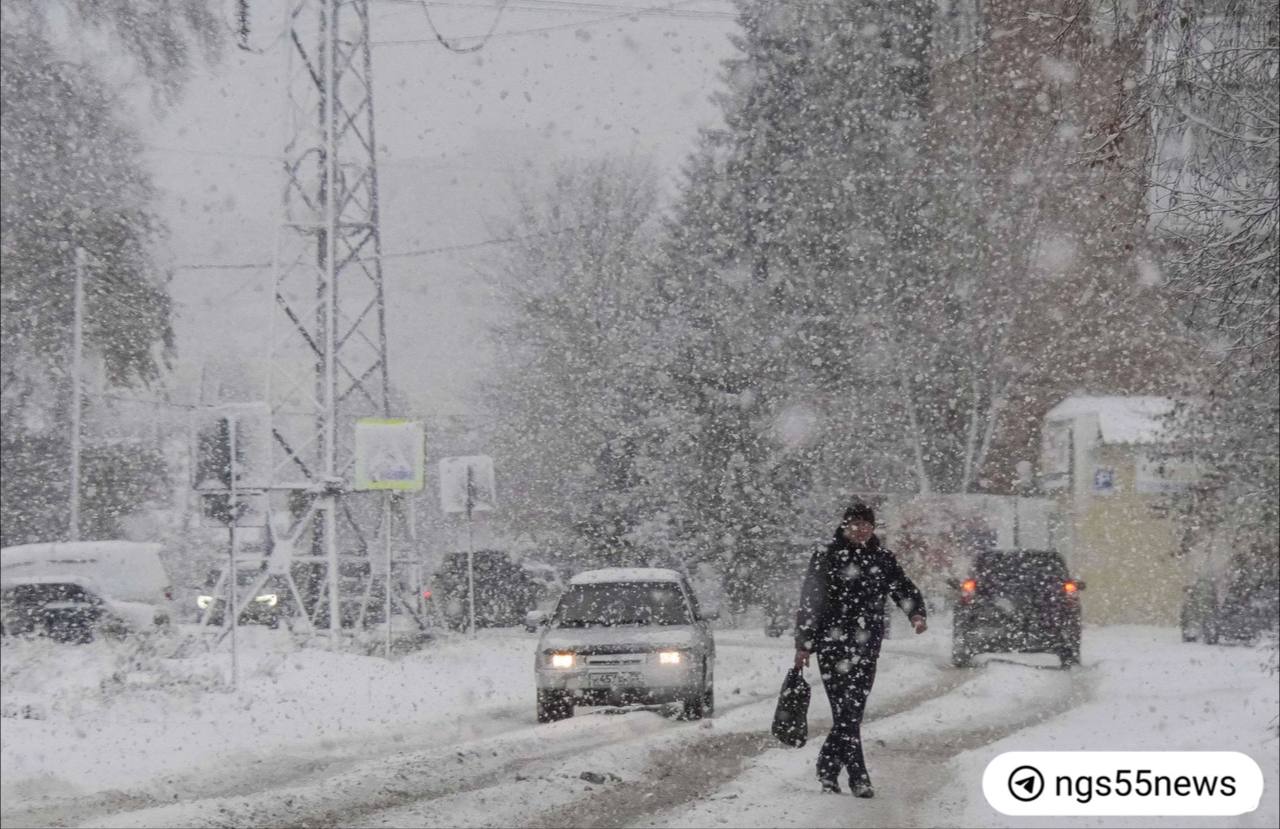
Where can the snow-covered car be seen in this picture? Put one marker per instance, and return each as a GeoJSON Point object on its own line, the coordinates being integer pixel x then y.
{"type": "Point", "coordinates": [621, 635]}
{"type": "Point", "coordinates": [70, 590]}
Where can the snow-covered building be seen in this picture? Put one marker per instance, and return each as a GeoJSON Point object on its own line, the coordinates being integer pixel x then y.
{"type": "Point", "coordinates": [1100, 457]}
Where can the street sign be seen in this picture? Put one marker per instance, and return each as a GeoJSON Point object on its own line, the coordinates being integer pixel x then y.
{"type": "Point", "coordinates": [211, 441]}
{"type": "Point", "coordinates": [467, 475]}
{"type": "Point", "coordinates": [388, 454]}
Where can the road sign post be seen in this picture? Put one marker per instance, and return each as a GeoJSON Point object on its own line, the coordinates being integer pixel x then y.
{"type": "Point", "coordinates": [467, 486]}
{"type": "Point", "coordinates": [388, 458]}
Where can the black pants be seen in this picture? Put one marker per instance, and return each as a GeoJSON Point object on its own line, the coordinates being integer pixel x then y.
{"type": "Point", "coordinates": [847, 674]}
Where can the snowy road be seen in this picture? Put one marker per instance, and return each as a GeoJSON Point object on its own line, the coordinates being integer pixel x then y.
{"type": "Point", "coordinates": [399, 748]}
{"type": "Point", "coordinates": [531, 775]}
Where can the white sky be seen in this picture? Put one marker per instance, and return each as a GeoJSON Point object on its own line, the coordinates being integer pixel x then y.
{"type": "Point", "coordinates": [452, 131]}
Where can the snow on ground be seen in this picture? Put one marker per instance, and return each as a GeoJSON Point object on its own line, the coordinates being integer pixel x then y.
{"type": "Point", "coordinates": [667, 765]}
{"type": "Point", "coordinates": [1152, 692]}
{"type": "Point", "coordinates": [119, 734]}
{"type": "Point", "coordinates": [120, 726]}
{"type": "Point", "coordinates": [1140, 688]}
{"type": "Point", "coordinates": [113, 715]}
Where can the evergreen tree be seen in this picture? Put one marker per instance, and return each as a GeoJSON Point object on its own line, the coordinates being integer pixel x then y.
{"type": "Point", "coordinates": [792, 232]}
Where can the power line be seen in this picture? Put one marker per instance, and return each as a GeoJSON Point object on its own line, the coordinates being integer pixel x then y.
{"type": "Point", "coordinates": [407, 254]}
{"type": "Point", "coordinates": [426, 12]}
{"type": "Point", "coordinates": [145, 401]}
{"type": "Point", "coordinates": [563, 7]}
{"type": "Point", "coordinates": [632, 12]}
{"type": "Point", "coordinates": [221, 153]}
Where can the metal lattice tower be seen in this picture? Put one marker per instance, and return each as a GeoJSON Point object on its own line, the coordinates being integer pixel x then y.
{"type": "Point", "coordinates": [328, 361]}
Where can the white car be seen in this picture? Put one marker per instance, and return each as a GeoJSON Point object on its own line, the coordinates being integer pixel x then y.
{"type": "Point", "coordinates": [72, 589]}
{"type": "Point", "coordinates": [621, 635]}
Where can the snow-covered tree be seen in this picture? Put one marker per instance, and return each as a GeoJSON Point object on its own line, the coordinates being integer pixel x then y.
{"type": "Point", "coordinates": [71, 176]}
{"type": "Point", "coordinates": [572, 413]}
{"type": "Point", "coordinates": [1212, 103]}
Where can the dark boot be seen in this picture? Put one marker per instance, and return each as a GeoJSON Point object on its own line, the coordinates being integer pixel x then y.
{"type": "Point", "coordinates": [830, 786]}
{"type": "Point", "coordinates": [860, 786]}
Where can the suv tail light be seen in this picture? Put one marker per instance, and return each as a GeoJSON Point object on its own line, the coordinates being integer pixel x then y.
{"type": "Point", "coordinates": [967, 589]}
{"type": "Point", "coordinates": [1070, 588]}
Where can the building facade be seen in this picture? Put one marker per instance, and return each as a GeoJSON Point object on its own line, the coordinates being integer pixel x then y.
{"type": "Point", "coordinates": [1100, 459]}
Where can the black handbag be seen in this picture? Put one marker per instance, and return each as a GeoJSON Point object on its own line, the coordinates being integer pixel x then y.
{"type": "Point", "coordinates": [791, 717]}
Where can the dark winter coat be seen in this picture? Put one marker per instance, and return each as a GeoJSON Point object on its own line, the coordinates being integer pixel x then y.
{"type": "Point", "coordinates": [842, 601]}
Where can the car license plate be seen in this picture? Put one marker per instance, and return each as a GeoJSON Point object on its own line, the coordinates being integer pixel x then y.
{"type": "Point", "coordinates": [614, 678]}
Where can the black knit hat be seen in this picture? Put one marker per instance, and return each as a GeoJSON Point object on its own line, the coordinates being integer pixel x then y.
{"type": "Point", "coordinates": [859, 511]}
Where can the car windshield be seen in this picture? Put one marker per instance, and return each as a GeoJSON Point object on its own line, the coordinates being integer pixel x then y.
{"type": "Point", "coordinates": [623, 603]}
{"type": "Point", "coordinates": [1025, 570]}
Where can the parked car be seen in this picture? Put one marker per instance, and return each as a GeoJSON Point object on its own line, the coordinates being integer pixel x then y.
{"type": "Point", "coordinates": [1020, 601]}
{"type": "Point", "coordinates": [505, 592]}
{"type": "Point", "coordinates": [1250, 605]}
{"type": "Point", "coordinates": [621, 635]}
{"type": "Point", "coordinates": [782, 580]}
{"type": "Point", "coordinates": [269, 604]}
{"type": "Point", "coordinates": [70, 591]}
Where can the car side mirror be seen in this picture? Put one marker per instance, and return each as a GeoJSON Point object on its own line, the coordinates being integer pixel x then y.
{"type": "Point", "coordinates": [534, 619]}
{"type": "Point", "coordinates": [953, 583]}
{"type": "Point", "coordinates": [1080, 584]}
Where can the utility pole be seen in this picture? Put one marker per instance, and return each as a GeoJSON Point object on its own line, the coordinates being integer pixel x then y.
{"type": "Point", "coordinates": [471, 552]}
{"type": "Point", "coordinates": [77, 358]}
{"type": "Point", "coordinates": [233, 509]}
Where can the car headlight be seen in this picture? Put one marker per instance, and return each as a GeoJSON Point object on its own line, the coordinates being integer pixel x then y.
{"type": "Point", "coordinates": [203, 602]}
{"type": "Point", "coordinates": [269, 599]}
{"type": "Point", "coordinates": [562, 660]}
{"type": "Point", "coordinates": [669, 657]}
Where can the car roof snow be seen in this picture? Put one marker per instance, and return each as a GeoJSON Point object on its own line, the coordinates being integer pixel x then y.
{"type": "Point", "coordinates": [609, 575]}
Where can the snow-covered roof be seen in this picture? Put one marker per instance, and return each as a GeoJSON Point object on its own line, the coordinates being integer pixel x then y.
{"type": "Point", "coordinates": [76, 550]}
{"type": "Point", "coordinates": [126, 570]}
{"type": "Point", "coordinates": [1134, 419]}
{"type": "Point", "coordinates": [616, 574]}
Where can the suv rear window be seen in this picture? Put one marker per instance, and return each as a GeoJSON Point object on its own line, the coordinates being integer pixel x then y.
{"type": "Point", "coordinates": [1014, 570]}
{"type": "Point", "coordinates": [623, 603]}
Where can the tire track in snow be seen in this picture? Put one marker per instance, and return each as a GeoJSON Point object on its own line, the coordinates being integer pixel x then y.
{"type": "Point", "coordinates": [909, 764]}
{"type": "Point", "coordinates": [306, 791]}
{"type": "Point", "coordinates": [254, 774]}
{"type": "Point", "coordinates": [686, 774]}
{"type": "Point", "coordinates": [319, 792]}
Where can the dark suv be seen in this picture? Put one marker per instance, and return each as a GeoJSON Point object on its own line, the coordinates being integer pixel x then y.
{"type": "Point", "coordinates": [1017, 600]}
{"type": "Point", "coordinates": [505, 591]}
{"type": "Point", "coordinates": [267, 607]}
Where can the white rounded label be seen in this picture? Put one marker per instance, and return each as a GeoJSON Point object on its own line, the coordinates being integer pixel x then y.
{"type": "Point", "coordinates": [1123, 783]}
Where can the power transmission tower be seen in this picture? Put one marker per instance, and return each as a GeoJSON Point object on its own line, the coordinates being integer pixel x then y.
{"type": "Point", "coordinates": [328, 361]}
